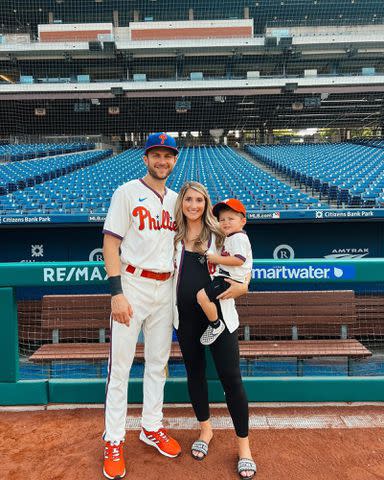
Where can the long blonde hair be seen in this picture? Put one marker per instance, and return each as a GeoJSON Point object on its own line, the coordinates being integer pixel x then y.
{"type": "Point", "coordinates": [210, 224]}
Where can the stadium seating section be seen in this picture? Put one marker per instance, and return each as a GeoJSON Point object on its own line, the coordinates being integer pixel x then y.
{"type": "Point", "coordinates": [347, 174]}
{"type": "Point", "coordinates": [344, 174]}
{"type": "Point", "coordinates": [226, 173]}
{"type": "Point", "coordinates": [26, 151]}
{"type": "Point", "coordinates": [60, 185]}
{"type": "Point", "coordinates": [47, 186]}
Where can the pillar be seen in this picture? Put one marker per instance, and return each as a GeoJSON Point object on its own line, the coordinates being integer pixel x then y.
{"type": "Point", "coordinates": [115, 16]}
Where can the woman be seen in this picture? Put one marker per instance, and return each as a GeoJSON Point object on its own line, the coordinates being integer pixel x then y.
{"type": "Point", "coordinates": [197, 230]}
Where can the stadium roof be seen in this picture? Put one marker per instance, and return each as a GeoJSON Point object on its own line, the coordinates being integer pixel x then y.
{"type": "Point", "coordinates": [145, 114]}
{"type": "Point", "coordinates": [340, 97]}
{"type": "Point", "coordinates": [24, 14]}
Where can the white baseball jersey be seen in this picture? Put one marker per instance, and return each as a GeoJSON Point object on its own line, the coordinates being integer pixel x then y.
{"type": "Point", "coordinates": [236, 244]}
{"type": "Point", "coordinates": [145, 222]}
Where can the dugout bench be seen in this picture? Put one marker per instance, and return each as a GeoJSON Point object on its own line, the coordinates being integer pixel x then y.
{"type": "Point", "coordinates": [308, 324]}
{"type": "Point", "coordinates": [82, 317]}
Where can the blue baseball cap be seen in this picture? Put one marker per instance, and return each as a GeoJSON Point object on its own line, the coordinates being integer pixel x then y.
{"type": "Point", "coordinates": [160, 139]}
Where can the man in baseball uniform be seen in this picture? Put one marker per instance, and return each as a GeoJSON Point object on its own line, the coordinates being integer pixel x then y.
{"type": "Point", "coordinates": [138, 254]}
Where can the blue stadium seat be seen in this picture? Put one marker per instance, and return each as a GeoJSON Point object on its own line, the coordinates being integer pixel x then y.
{"type": "Point", "coordinates": [331, 169]}
{"type": "Point", "coordinates": [88, 189]}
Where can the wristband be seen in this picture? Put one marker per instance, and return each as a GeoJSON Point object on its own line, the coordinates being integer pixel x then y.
{"type": "Point", "coordinates": [115, 285]}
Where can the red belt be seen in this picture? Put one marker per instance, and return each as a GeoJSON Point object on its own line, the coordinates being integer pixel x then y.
{"type": "Point", "coordinates": [149, 274]}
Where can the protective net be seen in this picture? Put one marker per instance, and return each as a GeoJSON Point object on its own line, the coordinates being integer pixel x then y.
{"type": "Point", "coordinates": [277, 103]}
{"type": "Point", "coordinates": [253, 76]}
{"type": "Point", "coordinates": [68, 336]}
{"type": "Point", "coordinates": [212, 72]}
{"type": "Point", "coordinates": [295, 333]}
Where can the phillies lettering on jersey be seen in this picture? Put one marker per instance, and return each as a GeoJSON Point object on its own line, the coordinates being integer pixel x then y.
{"type": "Point", "coordinates": [144, 221]}
{"type": "Point", "coordinates": [148, 221]}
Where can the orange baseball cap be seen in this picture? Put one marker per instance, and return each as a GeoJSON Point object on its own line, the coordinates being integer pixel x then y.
{"type": "Point", "coordinates": [232, 203]}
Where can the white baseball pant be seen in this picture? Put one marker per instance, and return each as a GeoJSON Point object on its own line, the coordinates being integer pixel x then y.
{"type": "Point", "coordinates": [151, 301]}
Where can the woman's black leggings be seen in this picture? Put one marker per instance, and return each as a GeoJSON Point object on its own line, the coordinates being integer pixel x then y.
{"type": "Point", "coordinates": [225, 352]}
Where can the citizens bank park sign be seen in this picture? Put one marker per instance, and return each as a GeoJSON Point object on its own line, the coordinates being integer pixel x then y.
{"type": "Point", "coordinates": [252, 216]}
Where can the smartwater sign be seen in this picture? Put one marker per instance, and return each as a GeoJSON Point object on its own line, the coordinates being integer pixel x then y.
{"type": "Point", "coordinates": [264, 271]}
{"type": "Point", "coordinates": [65, 275]}
{"type": "Point", "coordinates": [304, 272]}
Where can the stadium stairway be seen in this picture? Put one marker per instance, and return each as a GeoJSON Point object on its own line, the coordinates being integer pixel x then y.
{"type": "Point", "coordinates": [283, 177]}
{"type": "Point", "coordinates": [226, 173]}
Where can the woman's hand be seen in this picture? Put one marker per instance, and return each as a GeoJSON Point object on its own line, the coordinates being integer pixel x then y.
{"type": "Point", "coordinates": [235, 290]}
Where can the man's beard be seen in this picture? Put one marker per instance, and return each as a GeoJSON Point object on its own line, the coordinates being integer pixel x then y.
{"type": "Point", "coordinates": [152, 172]}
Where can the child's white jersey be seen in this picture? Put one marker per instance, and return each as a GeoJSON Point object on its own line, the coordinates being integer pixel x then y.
{"type": "Point", "coordinates": [236, 244]}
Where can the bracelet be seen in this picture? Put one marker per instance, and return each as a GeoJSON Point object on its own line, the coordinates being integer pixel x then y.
{"type": "Point", "coordinates": [115, 285]}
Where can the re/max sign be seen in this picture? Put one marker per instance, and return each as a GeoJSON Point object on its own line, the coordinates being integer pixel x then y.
{"type": "Point", "coordinates": [76, 274]}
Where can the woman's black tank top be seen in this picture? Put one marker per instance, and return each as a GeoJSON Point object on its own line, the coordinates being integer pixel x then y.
{"type": "Point", "coordinates": [193, 277]}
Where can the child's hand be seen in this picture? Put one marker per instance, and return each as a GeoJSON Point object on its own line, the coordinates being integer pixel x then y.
{"type": "Point", "coordinates": [212, 257]}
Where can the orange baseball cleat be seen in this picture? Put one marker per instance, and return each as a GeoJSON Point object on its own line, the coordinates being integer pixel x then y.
{"type": "Point", "coordinates": [114, 464]}
{"type": "Point", "coordinates": [165, 444]}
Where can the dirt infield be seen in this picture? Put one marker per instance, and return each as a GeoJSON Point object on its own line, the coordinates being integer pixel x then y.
{"type": "Point", "coordinates": [67, 445]}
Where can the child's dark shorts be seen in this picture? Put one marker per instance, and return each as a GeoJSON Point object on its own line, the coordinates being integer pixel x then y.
{"type": "Point", "coordinates": [217, 286]}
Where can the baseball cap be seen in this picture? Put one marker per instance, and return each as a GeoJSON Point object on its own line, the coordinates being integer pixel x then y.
{"type": "Point", "coordinates": [160, 139]}
{"type": "Point", "coordinates": [232, 203]}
